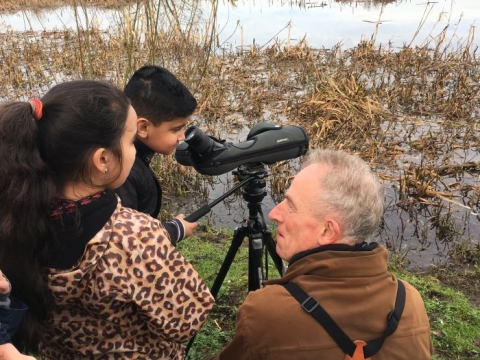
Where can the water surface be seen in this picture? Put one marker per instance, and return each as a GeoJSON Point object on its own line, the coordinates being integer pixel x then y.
{"type": "Point", "coordinates": [327, 23]}
{"type": "Point", "coordinates": [323, 24]}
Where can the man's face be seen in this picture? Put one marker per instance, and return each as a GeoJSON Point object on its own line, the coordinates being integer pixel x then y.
{"type": "Point", "coordinates": [165, 138]}
{"type": "Point", "coordinates": [297, 227]}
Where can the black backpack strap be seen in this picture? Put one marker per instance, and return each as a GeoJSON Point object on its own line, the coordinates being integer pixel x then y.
{"type": "Point", "coordinates": [312, 306]}
{"type": "Point", "coordinates": [393, 318]}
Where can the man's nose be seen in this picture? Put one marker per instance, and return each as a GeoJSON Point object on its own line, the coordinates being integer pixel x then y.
{"type": "Point", "coordinates": [273, 213]}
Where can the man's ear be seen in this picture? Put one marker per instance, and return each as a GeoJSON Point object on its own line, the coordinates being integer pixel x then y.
{"type": "Point", "coordinates": [100, 159]}
{"type": "Point", "coordinates": [330, 232]}
{"type": "Point", "coordinates": [143, 127]}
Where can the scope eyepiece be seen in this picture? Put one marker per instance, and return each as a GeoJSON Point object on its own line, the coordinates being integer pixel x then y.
{"type": "Point", "coordinates": [198, 141]}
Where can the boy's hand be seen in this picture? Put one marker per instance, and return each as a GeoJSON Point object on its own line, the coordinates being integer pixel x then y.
{"type": "Point", "coordinates": [9, 352]}
{"type": "Point", "coordinates": [4, 284]}
{"type": "Point", "coordinates": [188, 226]}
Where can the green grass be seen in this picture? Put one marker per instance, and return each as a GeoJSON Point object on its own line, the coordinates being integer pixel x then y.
{"type": "Point", "coordinates": [455, 323]}
{"type": "Point", "coordinates": [207, 252]}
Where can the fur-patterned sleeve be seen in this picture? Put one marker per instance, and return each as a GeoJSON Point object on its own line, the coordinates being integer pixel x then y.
{"type": "Point", "coordinates": [170, 295]}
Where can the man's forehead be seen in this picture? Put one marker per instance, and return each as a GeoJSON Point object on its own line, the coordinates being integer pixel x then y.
{"type": "Point", "coordinates": [306, 180]}
{"type": "Point", "coordinates": [305, 174]}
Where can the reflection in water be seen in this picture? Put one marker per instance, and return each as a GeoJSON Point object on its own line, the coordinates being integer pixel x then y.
{"type": "Point", "coordinates": [326, 23]}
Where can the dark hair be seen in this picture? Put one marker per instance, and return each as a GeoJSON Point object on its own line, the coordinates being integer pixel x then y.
{"type": "Point", "coordinates": [157, 95]}
{"type": "Point", "coordinates": [37, 159]}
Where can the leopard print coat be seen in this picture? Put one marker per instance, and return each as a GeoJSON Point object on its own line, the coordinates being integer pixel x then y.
{"type": "Point", "coordinates": [132, 295]}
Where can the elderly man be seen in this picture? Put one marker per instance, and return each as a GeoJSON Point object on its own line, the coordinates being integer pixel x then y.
{"type": "Point", "coordinates": [324, 230]}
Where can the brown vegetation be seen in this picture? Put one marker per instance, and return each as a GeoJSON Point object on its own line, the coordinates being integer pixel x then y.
{"type": "Point", "coordinates": [35, 5]}
{"type": "Point", "coordinates": [38, 5]}
{"type": "Point", "coordinates": [411, 112]}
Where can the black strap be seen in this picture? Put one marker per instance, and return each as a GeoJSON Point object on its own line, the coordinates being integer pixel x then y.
{"type": "Point", "coordinates": [393, 318]}
{"type": "Point", "coordinates": [312, 306]}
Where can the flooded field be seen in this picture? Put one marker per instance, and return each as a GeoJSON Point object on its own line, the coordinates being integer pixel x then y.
{"type": "Point", "coordinates": [396, 82]}
{"type": "Point", "coordinates": [323, 24]}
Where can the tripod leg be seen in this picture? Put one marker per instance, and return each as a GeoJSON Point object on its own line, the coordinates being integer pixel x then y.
{"type": "Point", "coordinates": [238, 237]}
{"type": "Point", "coordinates": [270, 244]}
{"type": "Point", "coordinates": [255, 269]}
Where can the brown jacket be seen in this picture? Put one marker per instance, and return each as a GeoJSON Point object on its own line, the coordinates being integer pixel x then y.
{"type": "Point", "coordinates": [358, 292]}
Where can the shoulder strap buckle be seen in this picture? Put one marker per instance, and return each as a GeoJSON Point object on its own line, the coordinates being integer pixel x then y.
{"type": "Point", "coordinates": [314, 304]}
{"type": "Point", "coordinates": [358, 353]}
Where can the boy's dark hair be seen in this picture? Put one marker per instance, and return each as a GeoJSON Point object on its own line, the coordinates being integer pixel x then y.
{"type": "Point", "coordinates": [157, 95]}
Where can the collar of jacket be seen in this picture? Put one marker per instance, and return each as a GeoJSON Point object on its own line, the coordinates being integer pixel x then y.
{"type": "Point", "coordinates": [75, 229]}
{"type": "Point", "coordinates": [144, 152]}
{"type": "Point", "coordinates": [336, 262]}
{"type": "Point", "coordinates": [364, 246]}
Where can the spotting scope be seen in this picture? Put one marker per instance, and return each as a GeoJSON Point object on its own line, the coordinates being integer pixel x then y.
{"type": "Point", "coordinates": [266, 143]}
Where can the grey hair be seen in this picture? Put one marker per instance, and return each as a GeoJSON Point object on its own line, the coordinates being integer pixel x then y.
{"type": "Point", "coordinates": [350, 189]}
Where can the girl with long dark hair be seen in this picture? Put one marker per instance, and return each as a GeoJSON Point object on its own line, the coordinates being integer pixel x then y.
{"type": "Point", "coordinates": [101, 281]}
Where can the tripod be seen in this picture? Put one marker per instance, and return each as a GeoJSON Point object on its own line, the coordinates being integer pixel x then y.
{"type": "Point", "coordinates": [259, 236]}
{"type": "Point", "coordinates": [252, 177]}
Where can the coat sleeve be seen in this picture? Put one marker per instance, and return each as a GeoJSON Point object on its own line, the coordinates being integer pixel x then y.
{"type": "Point", "coordinates": [4, 337]}
{"type": "Point", "coordinates": [10, 319]}
{"type": "Point", "coordinates": [175, 230]}
{"type": "Point", "coordinates": [170, 295]}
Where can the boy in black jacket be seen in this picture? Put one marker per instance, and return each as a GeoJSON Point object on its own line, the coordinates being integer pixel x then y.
{"type": "Point", "coordinates": [163, 105]}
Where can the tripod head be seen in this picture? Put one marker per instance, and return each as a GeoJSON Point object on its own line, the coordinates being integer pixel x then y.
{"type": "Point", "coordinates": [252, 178]}
{"type": "Point", "coordinates": [255, 190]}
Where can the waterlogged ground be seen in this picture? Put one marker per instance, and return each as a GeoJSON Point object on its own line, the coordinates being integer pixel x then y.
{"type": "Point", "coordinates": [410, 111]}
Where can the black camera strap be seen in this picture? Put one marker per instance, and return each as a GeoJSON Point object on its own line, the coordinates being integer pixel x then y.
{"type": "Point", "coordinates": [313, 307]}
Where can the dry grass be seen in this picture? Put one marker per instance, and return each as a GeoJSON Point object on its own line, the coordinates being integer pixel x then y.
{"type": "Point", "coordinates": [410, 112]}
{"type": "Point", "coordinates": [39, 5]}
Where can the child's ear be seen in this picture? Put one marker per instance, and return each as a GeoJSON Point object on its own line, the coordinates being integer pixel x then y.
{"type": "Point", "coordinates": [142, 127]}
{"type": "Point", "coordinates": [100, 160]}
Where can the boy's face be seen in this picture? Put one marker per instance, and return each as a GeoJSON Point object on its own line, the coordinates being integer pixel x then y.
{"type": "Point", "coordinates": [163, 138]}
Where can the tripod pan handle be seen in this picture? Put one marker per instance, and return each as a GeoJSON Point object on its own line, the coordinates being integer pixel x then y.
{"type": "Point", "coordinates": [197, 214]}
